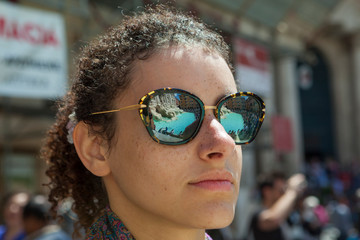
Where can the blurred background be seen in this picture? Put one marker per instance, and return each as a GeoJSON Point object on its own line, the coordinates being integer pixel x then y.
{"type": "Point", "coordinates": [301, 57]}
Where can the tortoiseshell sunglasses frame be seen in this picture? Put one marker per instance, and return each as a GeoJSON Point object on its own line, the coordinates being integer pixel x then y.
{"type": "Point", "coordinates": [145, 116]}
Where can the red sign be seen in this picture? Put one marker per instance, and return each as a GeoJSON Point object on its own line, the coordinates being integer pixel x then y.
{"type": "Point", "coordinates": [252, 66]}
{"type": "Point", "coordinates": [27, 31]}
{"type": "Point", "coordinates": [282, 134]}
{"type": "Point", "coordinates": [251, 55]}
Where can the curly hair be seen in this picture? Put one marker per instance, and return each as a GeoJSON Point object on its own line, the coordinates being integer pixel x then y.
{"type": "Point", "coordinates": [103, 73]}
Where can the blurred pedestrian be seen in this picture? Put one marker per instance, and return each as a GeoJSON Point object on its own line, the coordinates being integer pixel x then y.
{"type": "Point", "coordinates": [314, 218]}
{"type": "Point", "coordinates": [340, 216]}
{"type": "Point", "coordinates": [37, 221]}
{"type": "Point", "coordinates": [170, 180]}
{"type": "Point", "coordinates": [278, 199]}
{"type": "Point", "coordinates": [357, 210]}
{"type": "Point", "coordinates": [12, 207]}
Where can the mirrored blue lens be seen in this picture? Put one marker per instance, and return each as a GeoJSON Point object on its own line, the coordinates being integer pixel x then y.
{"type": "Point", "coordinates": [240, 117]}
{"type": "Point", "coordinates": [175, 116]}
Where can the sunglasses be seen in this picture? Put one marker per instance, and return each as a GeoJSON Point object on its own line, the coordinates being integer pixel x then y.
{"type": "Point", "coordinates": [174, 116]}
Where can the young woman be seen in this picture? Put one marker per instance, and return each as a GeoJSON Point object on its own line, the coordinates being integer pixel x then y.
{"type": "Point", "coordinates": [147, 141]}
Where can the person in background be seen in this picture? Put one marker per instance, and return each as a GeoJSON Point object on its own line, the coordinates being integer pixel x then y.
{"type": "Point", "coordinates": [278, 199]}
{"type": "Point", "coordinates": [37, 224]}
{"type": "Point", "coordinates": [340, 216]}
{"type": "Point", "coordinates": [11, 208]}
{"type": "Point", "coordinates": [314, 217]}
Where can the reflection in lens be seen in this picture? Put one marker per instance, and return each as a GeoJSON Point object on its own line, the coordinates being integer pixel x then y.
{"type": "Point", "coordinates": [240, 117]}
{"type": "Point", "coordinates": [233, 123]}
{"type": "Point", "coordinates": [175, 116]}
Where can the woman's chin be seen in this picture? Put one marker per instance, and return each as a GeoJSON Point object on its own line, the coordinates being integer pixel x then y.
{"type": "Point", "coordinates": [220, 223]}
{"type": "Point", "coordinates": [218, 218]}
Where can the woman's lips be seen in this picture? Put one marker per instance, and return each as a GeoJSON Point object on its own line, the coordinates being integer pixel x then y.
{"type": "Point", "coordinates": [214, 181]}
{"type": "Point", "coordinates": [214, 185]}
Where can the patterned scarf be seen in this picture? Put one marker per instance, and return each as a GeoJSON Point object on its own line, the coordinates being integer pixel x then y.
{"type": "Point", "coordinates": [110, 227]}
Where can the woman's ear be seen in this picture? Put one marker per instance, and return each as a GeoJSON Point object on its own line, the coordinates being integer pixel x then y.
{"type": "Point", "coordinates": [91, 150]}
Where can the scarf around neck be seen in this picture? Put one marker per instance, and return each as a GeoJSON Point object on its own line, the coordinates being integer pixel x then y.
{"type": "Point", "coordinates": [110, 227]}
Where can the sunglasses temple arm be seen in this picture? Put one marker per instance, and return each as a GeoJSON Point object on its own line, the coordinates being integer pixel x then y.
{"type": "Point", "coordinates": [131, 107]}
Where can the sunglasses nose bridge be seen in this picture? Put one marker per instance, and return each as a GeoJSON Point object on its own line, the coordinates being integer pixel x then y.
{"type": "Point", "coordinates": [214, 108]}
{"type": "Point", "coordinates": [209, 107]}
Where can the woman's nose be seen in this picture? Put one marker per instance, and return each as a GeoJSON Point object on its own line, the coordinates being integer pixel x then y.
{"type": "Point", "coordinates": [214, 143]}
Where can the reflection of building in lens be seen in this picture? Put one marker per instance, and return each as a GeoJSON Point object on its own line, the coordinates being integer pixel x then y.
{"type": "Point", "coordinates": [250, 110]}
{"type": "Point", "coordinates": [235, 104]}
{"type": "Point", "coordinates": [242, 103]}
{"type": "Point", "coordinates": [164, 106]}
{"type": "Point", "coordinates": [189, 104]}
{"type": "Point", "coordinates": [252, 105]}
{"type": "Point", "coordinates": [165, 100]}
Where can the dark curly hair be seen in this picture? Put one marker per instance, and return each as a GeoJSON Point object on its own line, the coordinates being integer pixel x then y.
{"type": "Point", "coordinates": [103, 73]}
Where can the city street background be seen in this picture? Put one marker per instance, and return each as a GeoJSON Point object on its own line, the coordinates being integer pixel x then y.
{"type": "Point", "coordinates": [301, 56]}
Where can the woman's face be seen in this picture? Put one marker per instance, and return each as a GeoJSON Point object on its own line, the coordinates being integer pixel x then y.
{"type": "Point", "coordinates": [194, 185]}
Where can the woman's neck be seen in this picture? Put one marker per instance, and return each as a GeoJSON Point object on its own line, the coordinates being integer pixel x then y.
{"type": "Point", "coordinates": [147, 224]}
{"type": "Point", "coordinates": [148, 227]}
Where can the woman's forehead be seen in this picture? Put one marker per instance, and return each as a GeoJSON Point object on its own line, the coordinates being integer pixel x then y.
{"type": "Point", "coordinates": [192, 70]}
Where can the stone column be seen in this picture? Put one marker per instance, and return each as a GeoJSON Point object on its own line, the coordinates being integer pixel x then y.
{"type": "Point", "coordinates": [356, 94]}
{"type": "Point", "coordinates": [288, 106]}
{"type": "Point", "coordinates": [340, 71]}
